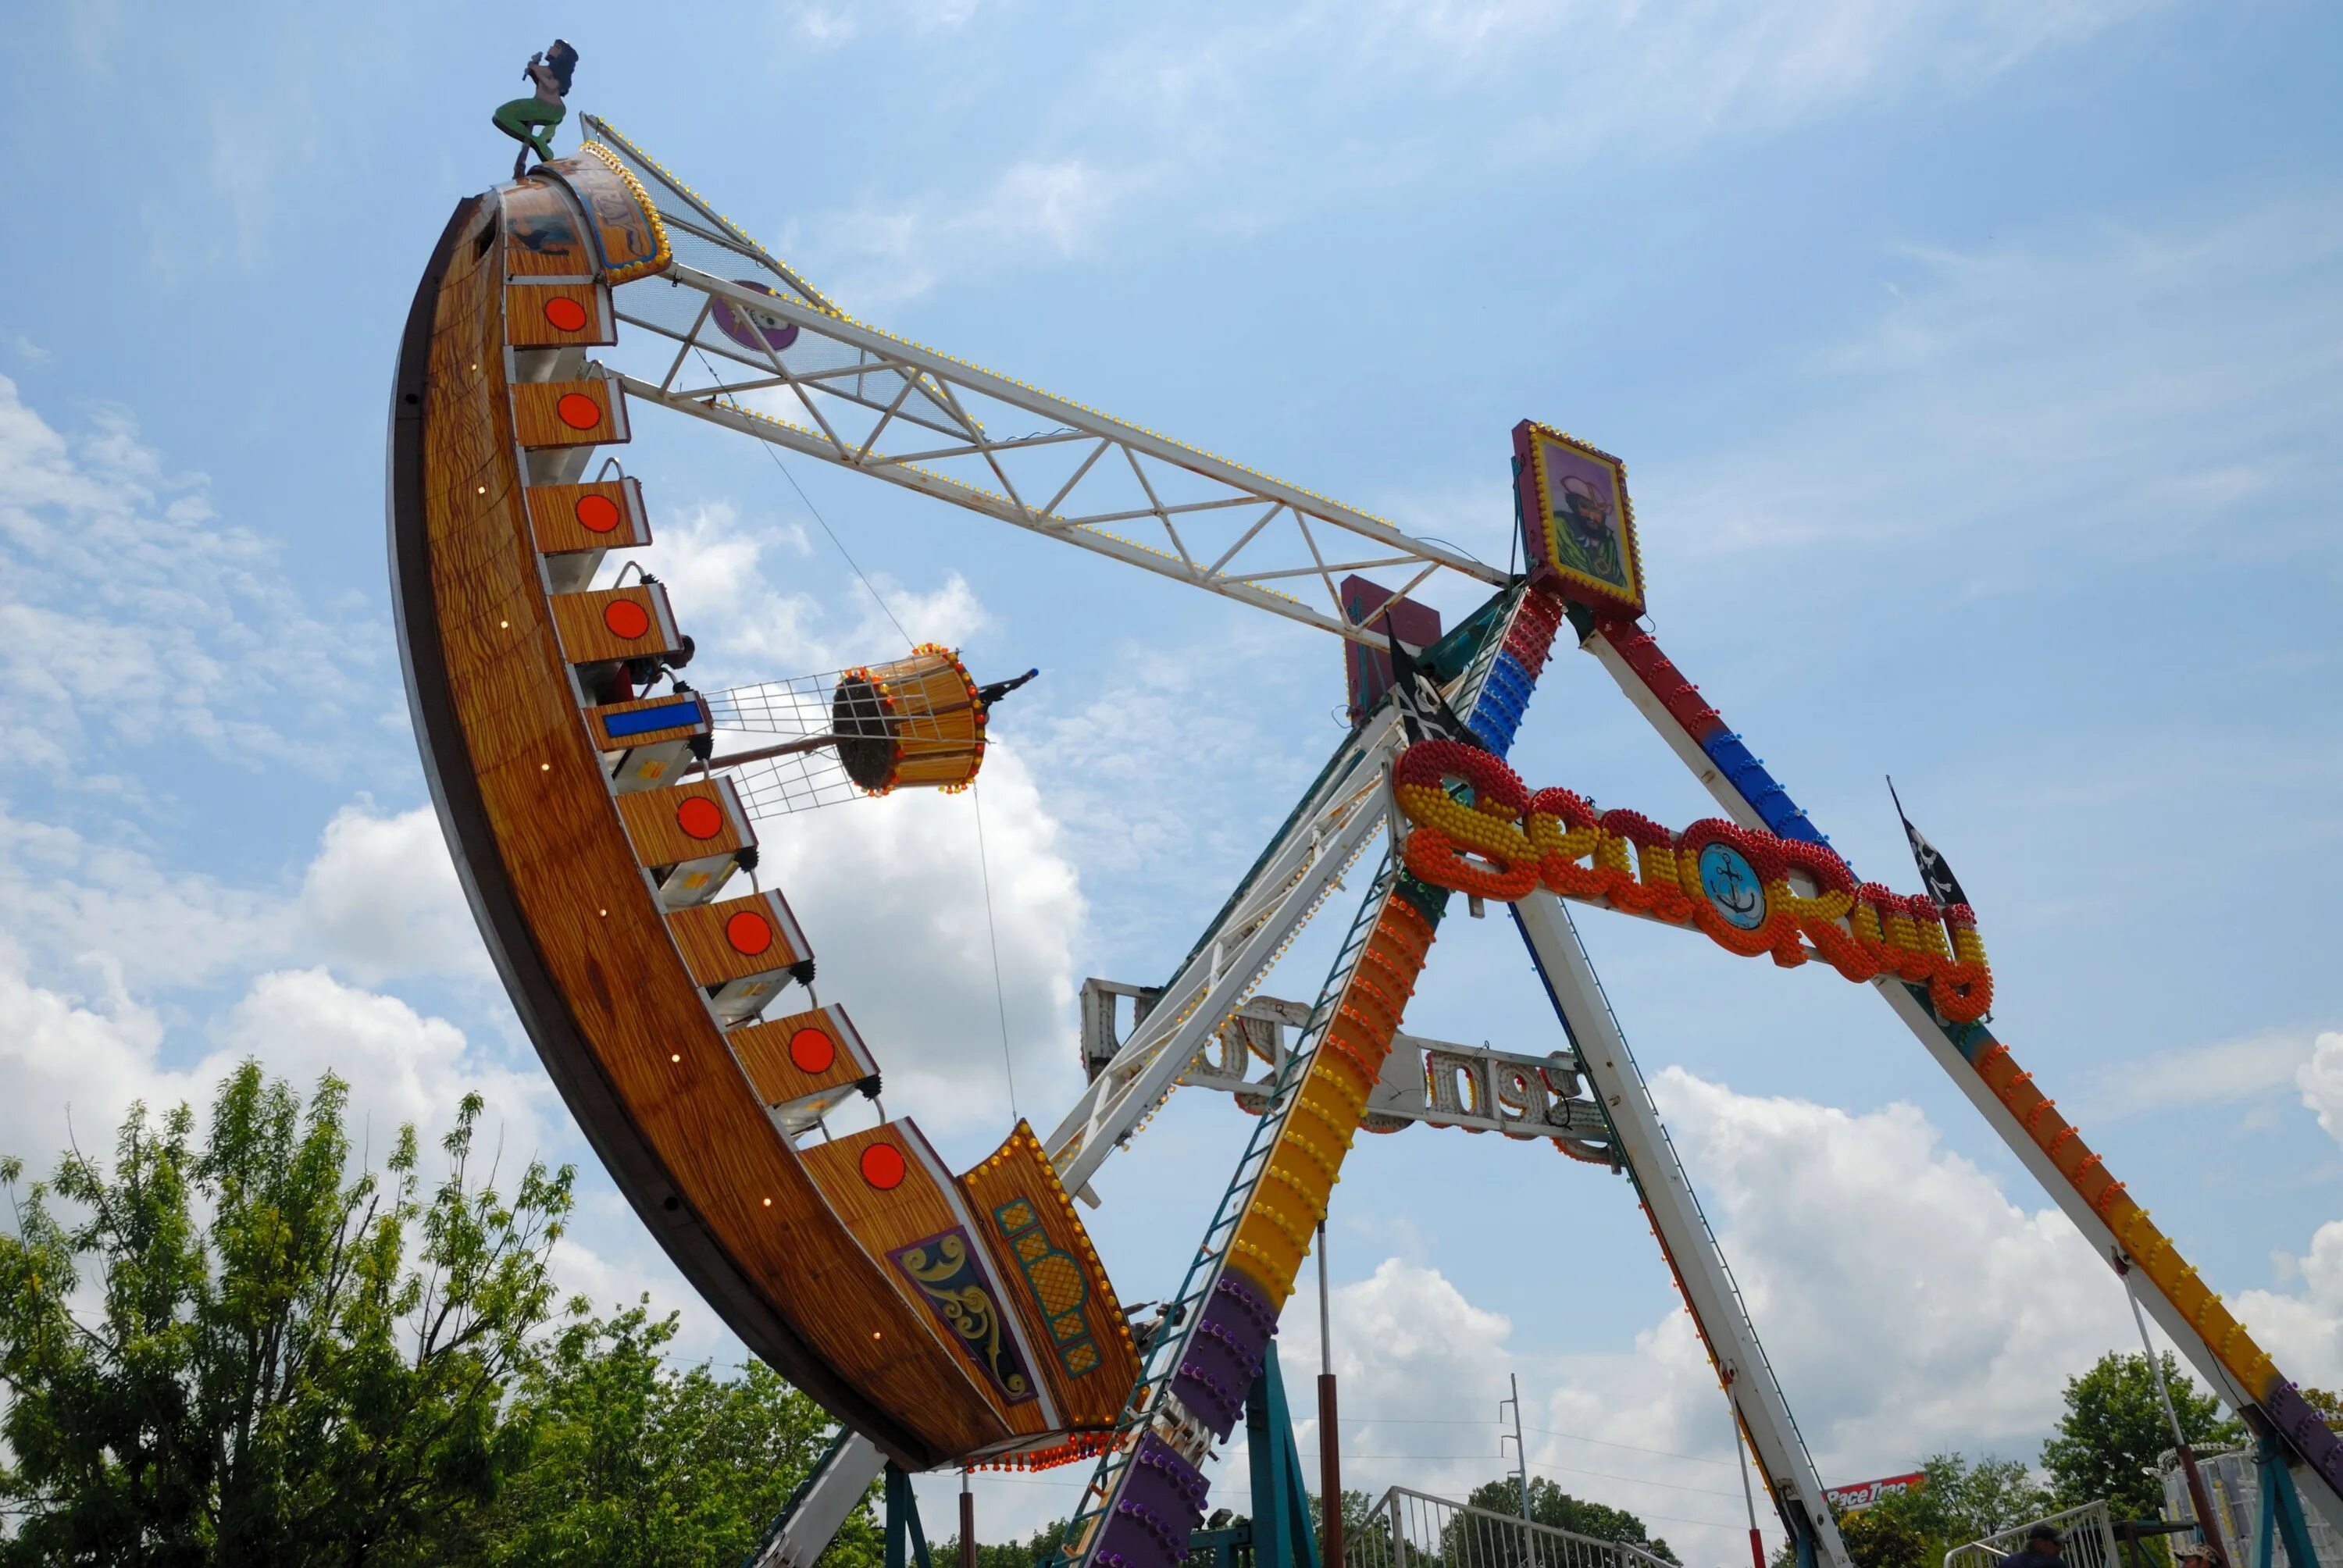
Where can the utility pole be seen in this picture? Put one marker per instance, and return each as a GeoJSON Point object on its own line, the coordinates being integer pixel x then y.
{"type": "Point", "coordinates": [1521, 1454]}
{"type": "Point", "coordinates": [1329, 1429]}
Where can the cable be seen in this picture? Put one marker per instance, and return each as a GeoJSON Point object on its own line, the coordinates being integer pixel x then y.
{"type": "Point", "coordinates": [817, 517]}
{"type": "Point", "coordinates": [992, 934]}
{"type": "Point", "coordinates": [1541, 1431]}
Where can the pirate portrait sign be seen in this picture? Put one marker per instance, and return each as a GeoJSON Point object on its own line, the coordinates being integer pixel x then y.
{"type": "Point", "coordinates": [1575, 516]}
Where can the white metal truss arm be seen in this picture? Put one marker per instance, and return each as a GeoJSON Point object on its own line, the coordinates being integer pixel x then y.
{"type": "Point", "coordinates": [1708, 1286]}
{"type": "Point", "coordinates": [1150, 1066]}
{"type": "Point", "coordinates": [865, 399]}
{"type": "Point", "coordinates": [834, 1490]}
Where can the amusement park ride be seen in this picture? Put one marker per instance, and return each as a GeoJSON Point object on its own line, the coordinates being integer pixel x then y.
{"type": "Point", "coordinates": [602, 815]}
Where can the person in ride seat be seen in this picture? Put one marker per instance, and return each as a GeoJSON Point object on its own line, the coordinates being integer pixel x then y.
{"type": "Point", "coordinates": [530, 121]}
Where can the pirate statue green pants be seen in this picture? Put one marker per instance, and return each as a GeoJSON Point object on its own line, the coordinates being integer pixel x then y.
{"type": "Point", "coordinates": [531, 120]}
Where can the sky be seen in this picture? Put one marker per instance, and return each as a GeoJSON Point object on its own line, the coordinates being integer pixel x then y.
{"type": "Point", "coordinates": [1977, 369]}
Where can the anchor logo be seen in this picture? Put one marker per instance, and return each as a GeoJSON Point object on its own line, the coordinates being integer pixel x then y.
{"type": "Point", "coordinates": [1732, 885]}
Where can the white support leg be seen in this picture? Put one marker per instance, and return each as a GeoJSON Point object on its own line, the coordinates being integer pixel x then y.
{"type": "Point", "coordinates": [1709, 1290]}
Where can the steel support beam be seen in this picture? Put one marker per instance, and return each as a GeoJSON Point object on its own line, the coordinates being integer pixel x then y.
{"type": "Point", "coordinates": [1709, 1291]}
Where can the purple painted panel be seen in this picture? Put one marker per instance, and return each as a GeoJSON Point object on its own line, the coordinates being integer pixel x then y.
{"type": "Point", "coordinates": [1224, 1353]}
{"type": "Point", "coordinates": [1160, 1502]}
{"type": "Point", "coordinates": [2306, 1430]}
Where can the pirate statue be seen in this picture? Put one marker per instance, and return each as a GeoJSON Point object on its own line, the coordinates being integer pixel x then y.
{"type": "Point", "coordinates": [530, 121]}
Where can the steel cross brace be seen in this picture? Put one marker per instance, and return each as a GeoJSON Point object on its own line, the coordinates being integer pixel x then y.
{"type": "Point", "coordinates": [1305, 863]}
{"type": "Point", "coordinates": [886, 381]}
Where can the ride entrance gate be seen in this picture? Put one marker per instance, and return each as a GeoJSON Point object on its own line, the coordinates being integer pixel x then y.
{"type": "Point", "coordinates": [604, 815]}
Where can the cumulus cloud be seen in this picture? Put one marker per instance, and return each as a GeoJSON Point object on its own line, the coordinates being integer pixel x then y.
{"type": "Point", "coordinates": [2321, 1081]}
{"type": "Point", "coordinates": [381, 898]}
{"type": "Point", "coordinates": [1908, 1302]}
{"type": "Point", "coordinates": [892, 893]}
{"type": "Point", "coordinates": [131, 617]}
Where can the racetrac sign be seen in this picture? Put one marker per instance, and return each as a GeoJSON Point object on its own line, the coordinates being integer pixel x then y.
{"type": "Point", "coordinates": [1864, 1494]}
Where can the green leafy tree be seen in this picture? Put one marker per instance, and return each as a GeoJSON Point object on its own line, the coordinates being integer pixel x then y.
{"type": "Point", "coordinates": [1958, 1500]}
{"type": "Point", "coordinates": [2107, 1443]}
{"type": "Point", "coordinates": [1549, 1505]}
{"type": "Point", "coordinates": [1039, 1547]}
{"type": "Point", "coordinates": [1877, 1537]}
{"type": "Point", "coordinates": [638, 1462]}
{"type": "Point", "coordinates": [273, 1361]}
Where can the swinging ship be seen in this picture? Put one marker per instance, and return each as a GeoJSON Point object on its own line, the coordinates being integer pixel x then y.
{"type": "Point", "coordinates": [946, 1317]}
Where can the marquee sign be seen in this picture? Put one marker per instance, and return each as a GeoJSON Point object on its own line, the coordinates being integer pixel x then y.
{"type": "Point", "coordinates": [1734, 884]}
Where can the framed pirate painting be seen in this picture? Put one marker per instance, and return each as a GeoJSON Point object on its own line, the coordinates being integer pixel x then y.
{"type": "Point", "coordinates": [1576, 519]}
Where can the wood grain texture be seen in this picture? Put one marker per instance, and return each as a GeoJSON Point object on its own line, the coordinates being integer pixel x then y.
{"type": "Point", "coordinates": [542, 852]}
{"type": "Point", "coordinates": [1059, 1287]}
{"type": "Point", "coordinates": [654, 822]}
{"type": "Point", "coordinates": [585, 623]}
{"type": "Point", "coordinates": [921, 1207]}
{"type": "Point", "coordinates": [707, 936]}
{"type": "Point", "coordinates": [537, 413]}
{"type": "Point", "coordinates": [765, 1053]}
{"type": "Point", "coordinates": [529, 312]}
{"type": "Point", "coordinates": [553, 516]}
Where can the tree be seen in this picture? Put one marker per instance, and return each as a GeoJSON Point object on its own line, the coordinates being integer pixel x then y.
{"type": "Point", "coordinates": [1551, 1505]}
{"type": "Point", "coordinates": [638, 1462]}
{"type": "Point", "coordinates": [1957, 1501]}
{"type": "Point", "coordinates": [1039, 1547]}
{"type": "Point", "coordinates": [1878, 1537]}
{"type": "Point", "coordinates": [2114, 1432]}
{"type": "Point", "coordinates": [275, 1362]}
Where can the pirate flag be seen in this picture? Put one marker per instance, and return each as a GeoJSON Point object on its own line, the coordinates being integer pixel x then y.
{"type": "Point", "coordinates": [1422, 709]}
{"type": "Point", "coordinates": [1934, 875]}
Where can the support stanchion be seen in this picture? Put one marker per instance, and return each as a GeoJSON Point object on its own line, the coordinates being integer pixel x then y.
{"type": "Point", "coordinates": [1330, 1427]}
{"type": "Point", "coordinates": [967, 1523]}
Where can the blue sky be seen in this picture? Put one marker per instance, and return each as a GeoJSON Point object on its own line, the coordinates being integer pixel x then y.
{"type": "Point", "coordinates": [1976, 371]}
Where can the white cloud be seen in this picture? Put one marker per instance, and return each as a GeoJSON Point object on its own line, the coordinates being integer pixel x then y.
{"type": "Point", "coordinates": [132, 618]}
{"type": "Point", "coordinates": [2303, 1331]}
{"type": "Point", "coordinates": [880, 255]}
{"type": "Point", "coordinates": [2227, 1069]}
{"type": "Point", "coordinates": [1908, 1303]}
{"type": "Point", "coordinates": [381, 898]}
{"type": "Point", "coordinates": [2320, 1078]}
{"type": "Point", "coordinates": [891, 896]}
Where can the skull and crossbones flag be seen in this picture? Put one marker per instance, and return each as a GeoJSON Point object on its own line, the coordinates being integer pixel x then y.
{"type": "Point", "coordinates": [1935, 874]}
{"type": "Point", "coordinates": [1422, 710]}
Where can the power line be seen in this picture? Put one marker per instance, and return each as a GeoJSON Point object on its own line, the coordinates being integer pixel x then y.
{"type": "Point", "coordinates": [992, 934]}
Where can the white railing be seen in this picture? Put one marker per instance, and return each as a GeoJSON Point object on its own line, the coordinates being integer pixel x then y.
{"type": "Point", "coordinates": [1416, 1530]}
{"type": "Point", "coordinates": [2234, 1482]}
{"type": "Point", "coordinates": [2089, 1535]}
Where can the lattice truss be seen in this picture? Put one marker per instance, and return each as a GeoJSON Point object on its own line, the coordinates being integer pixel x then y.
{"type": "Point", "coordinates": [751, 346]}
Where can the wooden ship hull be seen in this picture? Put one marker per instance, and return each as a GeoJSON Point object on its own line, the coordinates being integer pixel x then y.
{"type": "Point", "coordinates": [947, 1318]}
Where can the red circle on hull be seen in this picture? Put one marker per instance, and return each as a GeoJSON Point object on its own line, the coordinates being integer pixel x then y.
{"type": "Point", "coordinates": [749, 932]}
{"type": "Point", "coordinates": [882, 1166]}
{"type": "Point", "coordinates": [699, 818]}
{"type": "Point", "coordinates": [811, 1050]}
{"type": "Point", "coordinates": [565, 313]}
